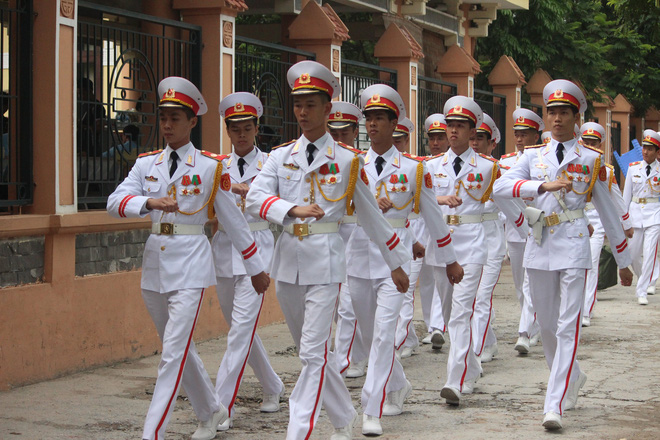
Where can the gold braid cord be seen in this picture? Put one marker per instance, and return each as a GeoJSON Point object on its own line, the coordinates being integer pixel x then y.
{"type": "Point", "coordinates": [493, 177]}
{"type": "Point", "coordinates": [355, 168]}
{"type": "Point", "coordinates": [419, 181]}
{"type": "Point", "coordinates": [594, 176]}
{"type": "Point", "coordinates": [216, 184]}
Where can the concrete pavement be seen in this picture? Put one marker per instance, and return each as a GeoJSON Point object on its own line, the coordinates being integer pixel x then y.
{"type": "Point", "coordinates": [621, 398]}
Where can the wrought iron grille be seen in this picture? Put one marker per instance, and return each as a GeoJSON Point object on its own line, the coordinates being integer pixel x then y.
{"type": "Point", "coordinates": [533, 107]}
{"type": "Point", "coordinates": [122, 56]}
{"type": "Point", "coordinates": [261, 69]}
{"type": "Point", "coordinates": [432, 94]}
{"type": "Point", "coordinates": [495, 105]}
{"type": "Point", "coordinates": [615, 130]}
{"type": "Point", "coordinates": [357, 76]}
{"type": "Point", "coordinates": [16, 184]}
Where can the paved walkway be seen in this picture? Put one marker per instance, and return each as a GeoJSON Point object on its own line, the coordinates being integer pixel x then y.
{"type": "Point", "coordinates": [621, 398]}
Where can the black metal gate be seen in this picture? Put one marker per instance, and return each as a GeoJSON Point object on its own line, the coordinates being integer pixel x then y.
{"type": "Point", "coordinates": [432, 94]}
{"type": "Point", "coordinates": [615, 130]}
{"type": "Point", "coordinates": [357, 76]}
{"type": "Point", "coordinates": [16, 183]}
{"type": "Point", "coordinates": [261, 69]}
{"type": "Point", "coordinates": [495, 105]}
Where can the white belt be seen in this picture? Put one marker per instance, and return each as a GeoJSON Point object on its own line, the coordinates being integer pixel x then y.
{"type": "Point", "coordinates": [490, 216]}
{"type": "Point", "coordinates": [413, 216]}
{"type": "Point", "coordinates": [176, 229]}
{"type": "Point", "coordinates": [349, 219]}
{"type": "Point", "coordinates": [645, 200]}
{"type": "Point", "coordinates": [463, 219]}
{"type": "Point", "coordinates": [566, 216]}
{"type": "Point", "coordinates": [301, 230]}
{"type": "Point", "coordinates": [589, 206]}
{"type": "Point", "coordinates": [255, 226]}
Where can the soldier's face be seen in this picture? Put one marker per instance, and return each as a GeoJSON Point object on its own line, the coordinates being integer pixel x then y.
{"type": "Point", "coordinates": [242, 134]}
{"type": "Point", "coordinates": [175, 126]}
{"type": "Point", "coordinates": [524, 138]}
{"type": "Point", "coordinates": [481, 143]}
{"type": "Point", "coordinates": [311, 112]}
{"type": "Point", "coordinates": [649, 153]}
{"type": "Point", "coordinates": [401, 143]}
{"type": "Point", "coordinates": [438, 143]}
{"type": "Point", "coordinates": [562, 120]}
{"type": "Point", "coordinates": [594, 143]}
{"type": "Point", "coordinates": [459, 134]}
{"type": "Point", "coordinates": [346, 135]}
{"type": "Point", "coordinates": [379, 126]}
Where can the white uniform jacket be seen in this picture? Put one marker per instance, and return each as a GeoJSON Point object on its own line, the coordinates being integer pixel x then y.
{"type": "Point", "coordinates": [287, 181]}
{"type": "Point", "coordinates": [564, 245]}
{"type": "Point", "coordinates": [222, 246]}
{"type": "Point", "coordinates": [617, 198]}
{"type": "Point", "coordinates": [640, 186]}
{"type": "Point", "coordinates": [473, 185]}
{"type": "Point", "coordinates": [398, 182]}
{"type": "Point", "coordinates": [510, 230]}
{"type": "Point", "coordinates": [173, 262]}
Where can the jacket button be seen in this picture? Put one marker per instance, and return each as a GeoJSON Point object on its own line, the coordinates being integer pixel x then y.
{"type": "Point", "coordinates": [162, 248]}
{"type": "Point", "coordinates": [552, 231]}
{"type": "Point", "coordinates": [308, 180]}
{"type": "Point", "coordinates": [305, 199]}
{"type": "Point", "coordinates": [451, 231]}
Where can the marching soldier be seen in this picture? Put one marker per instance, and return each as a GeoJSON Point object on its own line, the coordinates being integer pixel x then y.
{"type": "Point", "coordinates": [526, 127]}
{"type": "Point", "coordinates": [592, 135]}
{"type": "Point", "coordinates": [483, 335]}
{"type": "Point", "coordinates": [562, 175]}
{"type": "Point", "coordinates": [641, 196]}
{"type": "Point", "coordinates": [350, 353]}
{"type": "Point", "coordinates": [401, 185]}
{"type": "Point", "coordinates": [307, 186]}
{"type": "Point", "coordinates": [181, 188]}
{"type": "Point", "coordinates": [463, 181]}
{"type": "Point", "coordinates": [436, 130]}
{"type": "Point", "coordinates": [240, 303]}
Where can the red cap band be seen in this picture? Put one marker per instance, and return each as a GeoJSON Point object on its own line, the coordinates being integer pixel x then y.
{"type": "Point", "coordinates": [527, 123]}
{"type": "Point", "coordinates": [179, 98]}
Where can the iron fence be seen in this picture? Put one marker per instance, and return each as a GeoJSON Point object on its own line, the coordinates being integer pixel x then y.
{"type": "Point", "coordinates": [16, 179]}
{"type": "Point", "coordinates": [432, 94]}
{"type": "Point", "coordinates": [615, 130]}
{"type": "Point", "coordinates": [121, 58]}
{"type": "Point", "coordinates": [357, 76]}
{"type": "Point", "coordinates": [533, 107]}
{"type": "Point", "coordinates": [495, 105]}
{"type": "Point", "coordinates": [261, 69]}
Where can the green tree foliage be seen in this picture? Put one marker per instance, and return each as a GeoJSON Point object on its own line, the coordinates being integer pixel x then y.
{"type": "Point", "coordinates": [611, 46]}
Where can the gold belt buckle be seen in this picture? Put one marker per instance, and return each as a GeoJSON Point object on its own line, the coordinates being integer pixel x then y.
{"type": "Point", "coordinates": [552, 219]}
{"type": "Point", "coordinates": [453, 220]}
{"type": "Point", "coordinates": [301, 230]}
{"type": "Point", "coordinates": [167, 228]}
{"type": "Point", "coordinates": [642, 200]}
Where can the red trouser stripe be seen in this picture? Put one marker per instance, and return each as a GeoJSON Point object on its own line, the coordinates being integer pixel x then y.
{"type": "Point", "coordinates": [382, 402]}
{"type": "Point", "coordinates": [655, 257]}
{"type": "Point", "coordinates": [470, 344]}
{"type": "Point", "coordinates": [350, 348]}
{"type": "Point", "coordinates": [181, 367]}
{"type": "Point", "coordinates": [490, 313]}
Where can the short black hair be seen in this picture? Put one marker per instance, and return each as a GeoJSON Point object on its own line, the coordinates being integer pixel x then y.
{"type": "Point", "coordinates": [132, 131]}
{"type": "Point", "coordinates": [189, 113]}
{"type": "Point", "coordinates": [86, 84]}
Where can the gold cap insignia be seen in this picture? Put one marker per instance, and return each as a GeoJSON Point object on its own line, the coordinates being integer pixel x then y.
{"type": "Point", "coordinates": [559, 93]}
{"type": "Point", "coordinates": [375, 98]}
{"type": "Point", "coordinates": [647, 138]}
{"type": "Point", "coordinates": [305, 78]}
{"type": "Point", "coordinates": [338, 115]}
{"type": "Point", "coordinates": [170, 93]}
{"type": "Point", "coordinates": [238, 107]}
{"type": "Point", "coordinates": [520, 120]}
{"type": "Point", "coordinates": [435, 124]}
{"type": "Point", "coordinates": [590, 131]}
{"type": "Point", "coordinates": [458, 109]}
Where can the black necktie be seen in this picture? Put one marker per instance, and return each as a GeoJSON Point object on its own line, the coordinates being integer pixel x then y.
{"type": "Point", "coordinates": [379, 164]}
{"type": "Point", "coordinates": [175, 159]}
{"type": "Point", "coordinates": [458, 164]}
{"type": "Point", "coordinates": [241, 163]}
{"type": "Point", "coordinates": [560, 153]}
{"type": "Point", "coordinates": [648, 169]}
{"type": "Point", "coordinates": [311, 149]}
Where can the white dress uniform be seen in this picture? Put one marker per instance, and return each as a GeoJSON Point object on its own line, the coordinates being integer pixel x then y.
{"type": "Point", "coordinates": [240, 303]}
{"type": "Point", "coordinates": [593, 130]}
{"type": "Point", "coordinates": [641, 195]}
{"type": "Point", "coordinates": [558, 261]}
{"type": "Point", "coordinates": [483, 334]}
{"type": "Point", "coordinates": [349, 346]}
{"type": "Point", "coordinates": [177, 264]}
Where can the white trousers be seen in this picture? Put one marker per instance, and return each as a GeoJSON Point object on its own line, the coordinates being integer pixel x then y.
{"type": "Point", "coordinates": [484, 315]}
{"type": "Point", "coordinates": [349, 344]}
{"type": "Point", "coordinates": [559, 297]}
{"type": "Point", "coordinates": [405, 328]}
{"type": "Point", "coordinates": [241, 306]}
{"type": "Point", "coordinates": [175, 314]}
{"type": "Point", "coordinates": [377, 305]}
{"type": "Point", "coordinates": [437, 318]}
{"type": "Point", "coordinates": [528, 322]}
{"type": "Point", "coordinates": [309, 313]}
{"type": "Point", "coordinates": [644, 252]}
{"type": "Point", "coordinates": [458, 308]}
{"type": "Point", "coordinates": [591, 285]}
